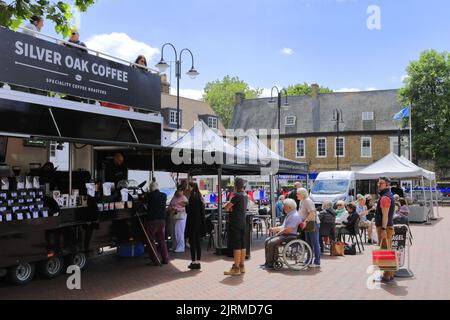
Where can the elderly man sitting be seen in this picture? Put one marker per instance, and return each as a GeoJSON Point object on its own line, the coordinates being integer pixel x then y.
{"type": "Point", "coordinates": [281, 234]}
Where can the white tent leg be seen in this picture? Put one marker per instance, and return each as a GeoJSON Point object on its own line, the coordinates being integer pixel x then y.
{"type": "Point", "coordinates": [437, 199]}
{"type": "Point", "coordinates": [432, 200]}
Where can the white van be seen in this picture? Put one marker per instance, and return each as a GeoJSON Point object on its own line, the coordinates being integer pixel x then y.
{"type": "Point", "coordinates": [334, 186]}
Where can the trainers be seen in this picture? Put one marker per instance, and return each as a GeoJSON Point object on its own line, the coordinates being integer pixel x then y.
{"type": "Point", "coordinates": [314, 266]}
{"type": "Point", "coordinates": [268, 267]}
{"type": "Point", "coordinates": [235, 271]}
{"type": "Point", "coordinates": [242, 269]}
{"type": "Point", "coordinates": [192, 266]}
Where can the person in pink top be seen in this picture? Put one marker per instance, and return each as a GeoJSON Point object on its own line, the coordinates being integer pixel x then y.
{"type": "Point", "coordinates": [178, 208]}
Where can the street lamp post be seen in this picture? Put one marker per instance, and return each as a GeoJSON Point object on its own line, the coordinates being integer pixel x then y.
{"type": "Point", "coordinates": [286, 104]}
{"type": "Point", "coordinates": [192, 73]}
{"type": "Point", "coordinates": [338, 117]}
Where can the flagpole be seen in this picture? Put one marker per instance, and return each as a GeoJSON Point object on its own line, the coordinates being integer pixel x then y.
{"type": "Point", "coordinates": [410, 134]}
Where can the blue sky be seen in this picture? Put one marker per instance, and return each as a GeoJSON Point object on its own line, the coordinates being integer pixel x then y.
{"type": "Point", "coordinates": [325, 41]}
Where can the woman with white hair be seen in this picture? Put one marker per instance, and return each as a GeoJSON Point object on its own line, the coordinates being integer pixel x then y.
{"type": "Point", "coordinates": [361, 210]}
{"type": "Point", "coordinates": [309, 214]}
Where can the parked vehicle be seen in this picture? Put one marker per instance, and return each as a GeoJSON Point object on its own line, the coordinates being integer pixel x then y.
{"type": "Point", "coordinates": [333, 186]}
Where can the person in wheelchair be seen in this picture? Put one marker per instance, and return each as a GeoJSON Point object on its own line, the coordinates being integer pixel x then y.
{"type": "Point", "coordinates": [285, 233]}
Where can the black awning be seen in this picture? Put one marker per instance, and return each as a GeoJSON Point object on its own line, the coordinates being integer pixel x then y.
{"type": "Point", "coordinates": [74, 125]}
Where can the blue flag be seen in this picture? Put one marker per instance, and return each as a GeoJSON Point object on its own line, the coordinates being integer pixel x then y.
{"type": "Point", "coordinates": [404, 114]}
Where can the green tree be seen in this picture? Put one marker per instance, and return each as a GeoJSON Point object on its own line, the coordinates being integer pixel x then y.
{"type": "Point", "coordinates": [304, 90]}
{"type": "Point", "coordinates": [427, 89]}
{"type": "Point", "coordinates": [220, 95]}
{"type": "Point", "coordinates": [13, 14]}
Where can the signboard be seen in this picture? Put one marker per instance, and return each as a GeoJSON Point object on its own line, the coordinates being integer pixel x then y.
{"type": "Point", "coordinates": [399, 243]}
{"type": "Point", "coordinates": [35, 63]}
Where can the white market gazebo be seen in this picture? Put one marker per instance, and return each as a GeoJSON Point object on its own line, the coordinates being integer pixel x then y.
{"type": "Point", "coordinates": [395, 167]}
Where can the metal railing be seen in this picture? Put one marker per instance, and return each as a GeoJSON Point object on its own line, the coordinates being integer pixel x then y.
{"type": "Point", "coordinates": [96, 53]}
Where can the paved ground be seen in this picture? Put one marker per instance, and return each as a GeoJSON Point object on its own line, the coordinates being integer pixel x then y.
{"type": "Point", "coordinates": [339, 278]}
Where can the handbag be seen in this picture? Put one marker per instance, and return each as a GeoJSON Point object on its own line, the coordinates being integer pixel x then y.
{"type": "Point", "coordinates": [338, 249]}
{"type": "Point", "coordinates": [385, 259]}
{"type": "Point", "coordinates": [350, 250]}
{"type": "Point", "coordinates": [311, 226]}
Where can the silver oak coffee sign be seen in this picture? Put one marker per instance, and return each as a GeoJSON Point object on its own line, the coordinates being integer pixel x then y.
{"type": "Point", "coordinates": [35, 63]}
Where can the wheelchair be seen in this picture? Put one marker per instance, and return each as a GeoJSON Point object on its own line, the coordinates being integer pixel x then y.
{"type": "Point", "coordinates": [293, 253]}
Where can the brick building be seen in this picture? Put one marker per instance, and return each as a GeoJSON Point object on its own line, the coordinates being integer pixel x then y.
{"type": "Point", "coordinates": [309, 134]}
{"type": "Point", "coordinates": [190, 112]}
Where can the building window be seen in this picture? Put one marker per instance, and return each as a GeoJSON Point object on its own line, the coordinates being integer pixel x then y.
{"type": "Point", "coordinates": [339, 147]}
{"type": "Point", "coordinates": [301, 151]}
{"type": "Point", "coordinates": [212, 123]}
{"type": "Point", "coordinates": [290, 121]}
{"type": "Point", "coordinates": [366, 147]}
{"type": "Point", "coordinates": [321, 147]}
{"type": "Point", "coordinates": [173, 117]}
{"type": "Point", "coordinates": [404, 148]}
{"type": "Point", "coordinates": [368, 116]}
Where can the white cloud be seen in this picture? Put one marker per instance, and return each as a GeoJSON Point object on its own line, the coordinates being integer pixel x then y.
{"type": "Point", "coordinates": [355, 89]}
{"type": "Point", "coordinates": [404, 77]}
{"type": "Point", "coordinates": [347, 90]}
{"type": "Point", "coordinates": [287, 51]}
{"type": "Point", "coordinates": [188, 93]}
{"type": "Point", "coordinates": [122, 46]}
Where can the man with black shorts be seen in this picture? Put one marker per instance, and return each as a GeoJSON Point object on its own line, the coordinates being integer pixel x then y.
{"type": "Point", "coordinates": [237, 208]}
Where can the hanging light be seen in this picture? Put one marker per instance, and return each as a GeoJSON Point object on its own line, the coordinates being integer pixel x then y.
{"type": "Point", "coordinates": [193, 73]}
{"type": "Point", "coordinates": [162, 66]}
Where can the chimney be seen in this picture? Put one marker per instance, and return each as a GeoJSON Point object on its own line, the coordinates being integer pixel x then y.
{"type": "Point", "coordinates": [165, 85]}
{"type": "Point", "coordinates": [240, 96]}
{"type": "Point", "coordinates": [315, 91]}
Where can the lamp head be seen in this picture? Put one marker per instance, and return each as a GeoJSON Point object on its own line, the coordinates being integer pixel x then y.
{"type": "Point", "coordinates": [162, 66]}
{"type": "Point", "coordinates": [193, 73]}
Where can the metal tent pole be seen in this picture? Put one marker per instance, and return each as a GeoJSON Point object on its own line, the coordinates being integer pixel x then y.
{"type": "Point", "coordinates": [272, 200]}
{"type": "Point", "coordinates": [219, 194]}
{"type": "Point", "coordinates": [436, 188]}
{"type": "Point", "coordinates": [70, 168]}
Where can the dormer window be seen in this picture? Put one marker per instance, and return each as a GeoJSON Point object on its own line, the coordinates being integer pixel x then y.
{"type": "Point", "coordinates": [368, 116]}
{"type": "Point", "coordinates": [213, 123]}
{"type": "Point", "coordinates": [290, 121]}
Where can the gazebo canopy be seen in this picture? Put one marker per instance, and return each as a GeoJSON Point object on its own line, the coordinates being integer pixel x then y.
{"type": "Point", "coordinates": [393, 166]}
{"type": "Point", "coordinates": [257, 149]}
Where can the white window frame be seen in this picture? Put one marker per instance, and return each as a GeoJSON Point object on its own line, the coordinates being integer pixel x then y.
{"type": "Point", "coordinates": [213, 123]}
{"type": "Point", "coordinates": [343, 147]}
{"type": "Point", "coordinates": [362, 147]}
{"type": "Point", "coordinates": [174, 114]}
{"type": "Point", "coordinates": [304, 149]}
{"type": "Point", "coordinates": [326, 148]}
{"type": "Point", "coordinates": [368, 116]}
{"type": "Point", "coordinates": [292, 123]}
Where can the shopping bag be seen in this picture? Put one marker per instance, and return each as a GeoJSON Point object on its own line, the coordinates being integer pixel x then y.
{"type": "Point", "coordinates": [338, 249]}
{"type": "Point", "coordinates": [385, 259]}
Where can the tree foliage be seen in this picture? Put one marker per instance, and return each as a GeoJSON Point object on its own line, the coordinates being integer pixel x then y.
{"type": "Point", "coordinates": [427, 89]}
{"type": "Point", "coordinates": [13, 14]}
{"type": "Point", "coordinates": [221, 96]}
{"type": "Point", "coordinates": [304, 89]}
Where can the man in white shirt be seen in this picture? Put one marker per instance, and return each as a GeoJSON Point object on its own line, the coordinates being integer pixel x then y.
{"type": "Point", "coordinates": [35, 26]}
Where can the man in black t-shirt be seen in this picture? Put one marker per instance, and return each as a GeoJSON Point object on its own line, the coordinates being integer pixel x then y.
{"type": "Point", "coordinates": [237, 208]}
